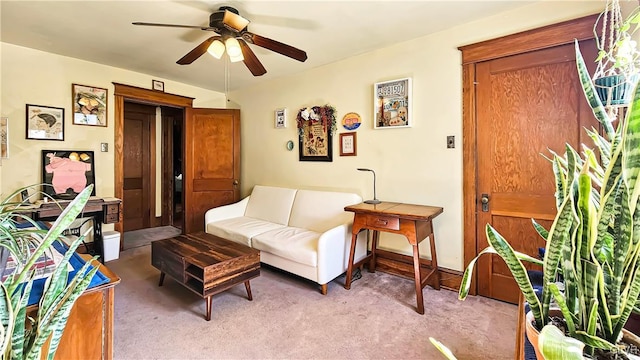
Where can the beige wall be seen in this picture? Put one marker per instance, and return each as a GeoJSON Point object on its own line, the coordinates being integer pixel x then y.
{"type": "Point", "coordinates": [35, 77]}
{"type": "Point", "coordinates": [413, 165]}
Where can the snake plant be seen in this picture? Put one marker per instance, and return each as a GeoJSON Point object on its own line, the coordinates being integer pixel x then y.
{"type": "Point", "coordinates": [21, 335]}
{"type": "Point", "coordinates": [592, 253]}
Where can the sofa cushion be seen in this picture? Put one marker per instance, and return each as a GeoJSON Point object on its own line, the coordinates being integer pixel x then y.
{"type": "Point", "coordinates": [271, 204]}
{"type": "Point", "coordinates": [240, 229]}
{"type": "Point", "coordinates": [295, 244]}
{"type": "Point", "coordinates": [321, 210]}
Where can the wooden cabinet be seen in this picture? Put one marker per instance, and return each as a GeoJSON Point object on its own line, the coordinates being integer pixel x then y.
{"type": "Point", "coordinates": [89, 330]}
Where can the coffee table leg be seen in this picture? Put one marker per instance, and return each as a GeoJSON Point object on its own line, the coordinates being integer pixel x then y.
{"type": "Point", "coordinates": [161, 279]}
{"type": "Point", "coordinates": [248, 287]}
{"type": "Point", "coordinates": [208, 300]}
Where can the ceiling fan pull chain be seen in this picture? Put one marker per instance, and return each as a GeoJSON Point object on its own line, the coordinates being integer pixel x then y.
{"type": "Point", "coordinates": [226, 78]}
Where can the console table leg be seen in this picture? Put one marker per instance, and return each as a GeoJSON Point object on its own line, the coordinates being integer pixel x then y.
{"type": "Point", "coordinates": [418, 280]}
{"type": "Point", "coordinates": [208, 300]}
{"type": "Point", "coordinates": [352, 252]}
{"type": "Point", "coordinates": [248, 287]}
{"type": "Point", "coordinates": [374, 246]}
{"type": "Point", "coordinates": [161, 279]}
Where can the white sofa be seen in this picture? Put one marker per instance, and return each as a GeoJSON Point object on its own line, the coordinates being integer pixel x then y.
{"type": "Point", "coordinates": [304, 232]}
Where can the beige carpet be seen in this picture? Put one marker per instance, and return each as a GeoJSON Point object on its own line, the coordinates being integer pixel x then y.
{"type": "Point", "coordinates": [289, 319]}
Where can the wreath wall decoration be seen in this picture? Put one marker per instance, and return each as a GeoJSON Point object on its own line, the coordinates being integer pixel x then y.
{"type": "Point", "coordinates": [316, 125]}
{"type": "Point", "coordinates": [323, 114]}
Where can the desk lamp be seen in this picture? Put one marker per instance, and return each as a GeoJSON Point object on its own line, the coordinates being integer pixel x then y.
{"type": "Point", "coordinates": [375, 200]}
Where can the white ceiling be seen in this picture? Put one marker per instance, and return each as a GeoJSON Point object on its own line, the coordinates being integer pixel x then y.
{"type": "Point", "coordinates": [101, 32]}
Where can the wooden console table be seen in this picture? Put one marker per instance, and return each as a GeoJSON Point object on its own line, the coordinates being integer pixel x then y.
{"type": "Point", "coordinates": [412, 221]}
{"type": "Point", "coordinates": [102, 210]}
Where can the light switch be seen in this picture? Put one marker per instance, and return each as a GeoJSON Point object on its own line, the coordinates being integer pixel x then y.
{"type": "Point", "coordinates": [104, 147]}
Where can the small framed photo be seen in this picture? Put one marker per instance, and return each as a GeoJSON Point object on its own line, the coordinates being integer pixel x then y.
{"type": "Point", "coordinates": [89, 105]}
{"type": "Point", "coordinates": [4, 138]}
{"type": "Point", "coordinates": [157, 85]}
{"type": "Point", "coordinates": [392, 104]}
{"type": "Point", "coordinates": [348, 144]}
{"type": "Point", "coordinates": [281, 118]}
{"type": "Point", "coordinates": [45, 122]}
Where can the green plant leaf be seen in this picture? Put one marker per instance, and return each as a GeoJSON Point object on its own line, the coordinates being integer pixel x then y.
{"type": "Point", "coordinates": [443, 349]}
{"type": "Point", "coordinates": [63, 221]}
{"type": "Point", "coordinates": [553, 344]}
{"type": "Point", "coordinates": [558, 239]}
{"type": "Point", "coordinates": [518, 271]}
{"type": "Point", "coordinates": [6, 320]}
{"type": "Point", "coordinates": [590, 94]}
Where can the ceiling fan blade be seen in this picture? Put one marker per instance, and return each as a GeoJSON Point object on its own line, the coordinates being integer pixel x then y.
{"type": "Point", "coordinates": [284, 49]}
{"type": "Point", "coordinates": [250, 60]}
{"type": "Point", "coordinates": [173, 25]}
{"type": "Point", "coordinates": [197, 51]}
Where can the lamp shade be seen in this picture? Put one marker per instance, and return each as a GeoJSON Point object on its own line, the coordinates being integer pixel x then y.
{"type": "Point", "coordinates": [236, 58]}
{"type": "Point", "coordinates": [216, 49]}
{"type": "Point", "coordinates": [233, 48]}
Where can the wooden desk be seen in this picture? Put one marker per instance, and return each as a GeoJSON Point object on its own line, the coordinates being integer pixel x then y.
{"type": "Point", "coordinates": [102, 210]}
{"type": "Point", "coordinates": [412, 221]}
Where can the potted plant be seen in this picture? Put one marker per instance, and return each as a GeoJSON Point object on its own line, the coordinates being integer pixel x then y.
{"type": "Point", "coordinates": [591, 262]}
{"type": "Point", "coordinates": [618, 61]}
{"type": "Point", "coordinates": [23, 336]}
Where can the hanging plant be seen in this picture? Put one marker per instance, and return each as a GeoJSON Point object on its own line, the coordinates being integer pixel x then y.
{"type": "Point", "coordinates": [326, 115]}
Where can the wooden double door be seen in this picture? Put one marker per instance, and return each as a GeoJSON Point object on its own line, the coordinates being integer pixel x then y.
{"type": "Point", "coordinates": [210, 148]}
{"type": "Point", "coordinates": [522, 100]}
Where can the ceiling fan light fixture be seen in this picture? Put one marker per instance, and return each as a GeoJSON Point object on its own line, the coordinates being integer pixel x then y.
{"type": "Point", "coordinates": [233, 47]}
{"type": "Point", "coordinates": [216, 49]}
{"type": "Point", "coordinates": [234, 21]}
{"type": "Point", "coordinates": [236, 58]}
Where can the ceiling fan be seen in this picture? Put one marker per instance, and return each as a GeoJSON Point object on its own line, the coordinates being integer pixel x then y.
{"type": "Point", "coordinates": [232, 35]}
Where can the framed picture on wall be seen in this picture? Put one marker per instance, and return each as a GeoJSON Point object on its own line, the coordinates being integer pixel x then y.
{"type": "Point", "coordinates": [4, 138]}
{"type": "Point", "coordinates": [65, 173]}
{"type": "Point", "coordinates": [348, 144]}
{"type": "Point", "coordinates": [281, 119]}
{"type": "Point", "coordinates": [392, 104]}
{"type": "Point", "coordinates": [89, 105]}
{"type": "Point", "coordinates": [44, 122]}
{"type": "Point", "coordinates": [315, 133]}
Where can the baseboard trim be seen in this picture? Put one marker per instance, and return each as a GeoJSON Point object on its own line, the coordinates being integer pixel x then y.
{"type": "Point", "coordinates": [402, 265]}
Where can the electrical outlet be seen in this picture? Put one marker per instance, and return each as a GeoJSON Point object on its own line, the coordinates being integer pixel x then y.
{"type": "Point", "coordinates": [104, 147]}
{"type": "Point", "coordinates": [451, 142]}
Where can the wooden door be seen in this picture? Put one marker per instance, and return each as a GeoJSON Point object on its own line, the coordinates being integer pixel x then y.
{"type": "Point", "coordinates": [138, 159]}
{"type": "Point", "coordinates": [211, 162]}
{"type": "Point", "coordinates": [527, 104]}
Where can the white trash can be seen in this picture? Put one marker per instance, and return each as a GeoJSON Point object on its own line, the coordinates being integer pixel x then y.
{"type": "Point", "coordinates": [110, 245]}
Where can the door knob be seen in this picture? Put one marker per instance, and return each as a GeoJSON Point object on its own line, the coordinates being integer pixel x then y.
{"type": "Point", "coordinates": [485, 202]}
{"type": "Point", "coordinates": [235, 182]}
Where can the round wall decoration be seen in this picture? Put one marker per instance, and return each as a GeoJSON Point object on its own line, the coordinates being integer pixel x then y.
{"type": "Point", "coordinates": [351, 121]}
{"type": "Point", "coordinates": [289, 145]}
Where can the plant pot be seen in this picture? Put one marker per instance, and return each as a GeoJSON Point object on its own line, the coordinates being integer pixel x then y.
{"type": "Point", "coordinates": [615, 90]}
{"type": "Point", "coordinates": [533, 334]}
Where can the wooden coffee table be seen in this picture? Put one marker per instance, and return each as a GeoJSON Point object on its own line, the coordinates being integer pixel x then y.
{"type": "Point", "coordinates": [205, 264]}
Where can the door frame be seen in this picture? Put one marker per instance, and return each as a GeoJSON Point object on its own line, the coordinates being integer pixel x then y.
{"type": "Point", "coordinates": [124, 92]}
{"type": "Point", "coordinates": [536, 39]}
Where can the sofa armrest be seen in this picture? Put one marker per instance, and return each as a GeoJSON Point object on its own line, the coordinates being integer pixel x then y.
{"type": "Point", "coordinates": [226, 211]}
{"type": "Point", "coordinates": [334, 246]}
